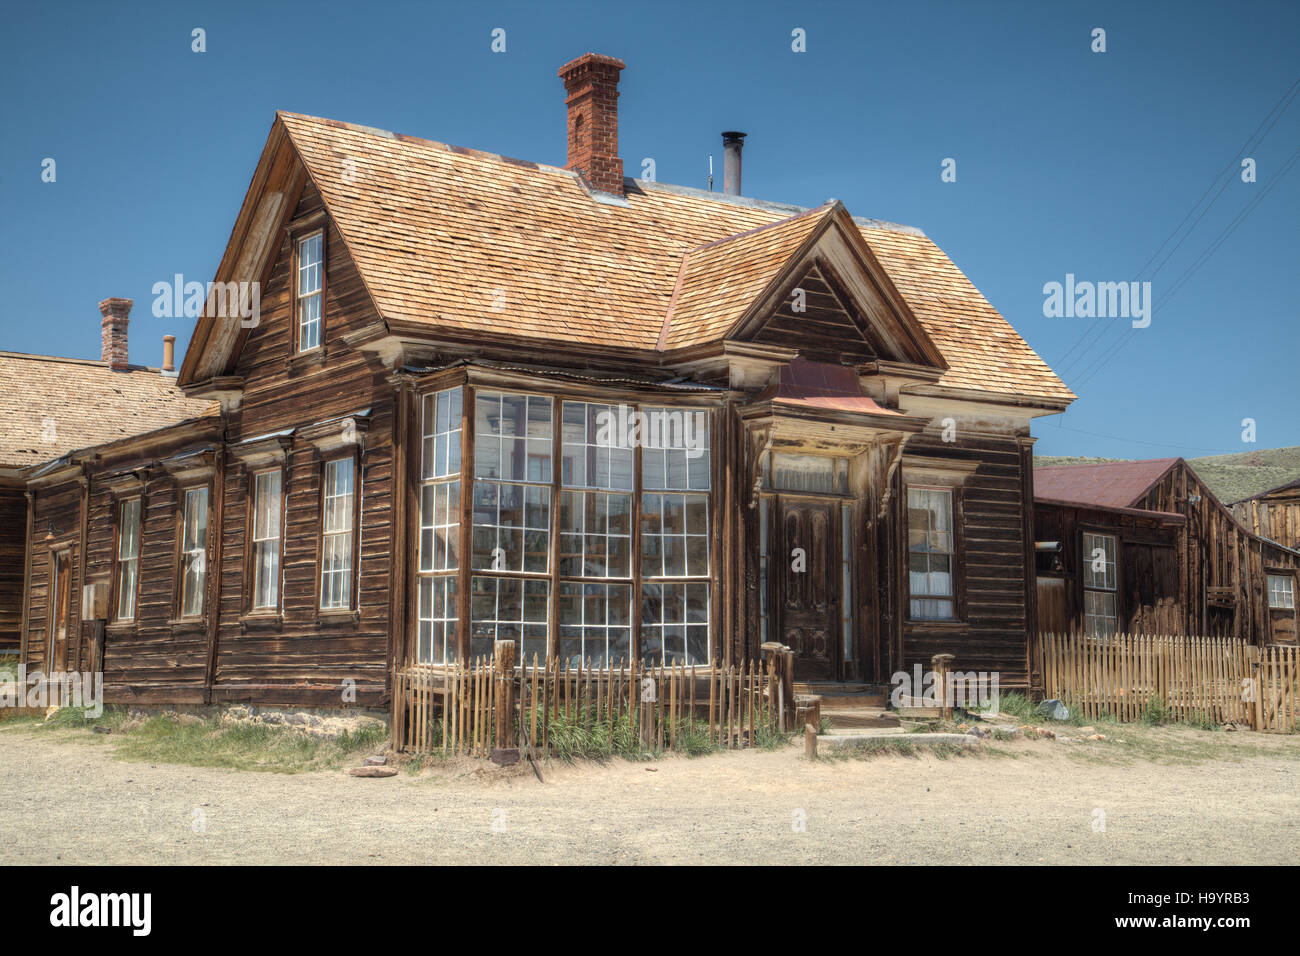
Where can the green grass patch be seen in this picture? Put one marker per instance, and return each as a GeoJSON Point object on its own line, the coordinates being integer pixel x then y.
{"type": "Point", "coordinates": [208, 743]}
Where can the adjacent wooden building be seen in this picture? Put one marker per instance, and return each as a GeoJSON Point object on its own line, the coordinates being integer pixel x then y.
{"type": "Point", "coordinates": [1144, 547]}
{"type": "Point", "coordinates": [605, 418]}
{"type": "Point", "coordinates": [1273, 514]}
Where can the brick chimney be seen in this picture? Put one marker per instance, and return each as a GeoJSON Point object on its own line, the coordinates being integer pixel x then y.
{"type": "Point", "coordinates": [591, 82]}
{"type": "Point", "coordinates": [117, 314]}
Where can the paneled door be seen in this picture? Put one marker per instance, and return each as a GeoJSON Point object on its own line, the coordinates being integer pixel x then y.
{"type": "Point", "coordinates": [808, 578]}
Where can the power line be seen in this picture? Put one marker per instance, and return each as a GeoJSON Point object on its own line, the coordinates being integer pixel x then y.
{"type": "Point", "coordinates": [1091, 371]}
{"type": "Point", "coordinates": [1097, 332]}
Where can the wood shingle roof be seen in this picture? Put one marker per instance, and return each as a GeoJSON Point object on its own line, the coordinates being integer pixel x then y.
{"type": "Point", "coordinates": [471, 242]}
{"type": "Point", "coordinates": [51, 405]}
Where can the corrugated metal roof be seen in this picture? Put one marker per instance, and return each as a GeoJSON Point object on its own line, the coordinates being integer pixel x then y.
{"type": "Point", "coordinates": [1111, 484]}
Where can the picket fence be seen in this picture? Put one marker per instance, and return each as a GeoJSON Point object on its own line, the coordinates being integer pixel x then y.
{"type": "Point", "coordinates": [1219, 680]}
{"type": "Point", "coordinates": [489, 704]}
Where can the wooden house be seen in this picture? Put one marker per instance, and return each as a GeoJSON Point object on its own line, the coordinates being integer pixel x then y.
{"type": "Point", "coordinates": [1144, 547]}
{"type": "Point", "coordinates": [1273, 514]}
{"type": "Point", "coordinates": [603, 417]}
{"type": "Point", "coordinates": [50, 406]}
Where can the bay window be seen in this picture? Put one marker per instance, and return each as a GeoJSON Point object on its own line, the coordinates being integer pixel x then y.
{"type": "Point", "coordinates": [676, 476]}
{"type": "Point", "coordinates": [511, 534]}
{"type": "Point", "coordinates": [567, 518]}
{"type": "Point", "coordinates": [439, 542]}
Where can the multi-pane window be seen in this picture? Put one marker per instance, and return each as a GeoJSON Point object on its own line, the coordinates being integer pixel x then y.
{"type": "Point", "coordinates": [930, 554]}
{"type": "Point", "coordinates": [266, 540]}
{"type": "Point", "coordinates": [675, 449]}
{"type": "Point", "coordinates": [194, 542]}
{"type": "Point", "coordinates": [675, 462]}
{"type": "Point", "coordinates": [1100, 617]}
{"type": "Point", "coordinates": [674, 535]}
{"type": "Point", "coordinates": [338, 505]}
{"type": "Point", "coordinates": [513, 450]}
{"type": "Point", "coordinates": [508, 609]}
{"type": "Point", "coordinates": [595, 452]}
{"type": "Point", "coordinates": [595, 622]}
{"type": "Point", "coordinates": [311, 270]}
{"type": "Point", "coordinates": [1281, 591]}
{"type": "Point", "coordinates": [595, 524]}
{"type": "Point", "coordinates": [439, 545]}
{"type": "Point", "coordinates": [675, 622]}
{"type": "Point", "coordinates": [128, 558]}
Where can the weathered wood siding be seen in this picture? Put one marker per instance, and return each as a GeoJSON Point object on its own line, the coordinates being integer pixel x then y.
{"type": "Point", "coordinates": [1149, 593]}
{"type": "Point", "coordinates": [13, 532]}
{"type": "Point", "coordinates": [57, 511]}
{"type": "Point", "coordinates": [994, 627]}
{"type": "Point", "coordinates": [301, 657]}
{"type": "Point", "coordinates": [1275, 515]}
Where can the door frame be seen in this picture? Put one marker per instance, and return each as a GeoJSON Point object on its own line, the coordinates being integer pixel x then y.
{"type": "Point", "coordinates": [778, 576]}
{"type": "Point", "coordinates": [56, 594]}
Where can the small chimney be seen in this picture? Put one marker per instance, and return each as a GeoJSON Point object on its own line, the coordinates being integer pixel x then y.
{"type": "Point", "coordinates": [117, 315]}
{"type": "Point", "coordinates": [591, 82]}
{"type": "Point", "coordinates": [732, 144]}
{"type": "Point", "coordinates": [169, 354]}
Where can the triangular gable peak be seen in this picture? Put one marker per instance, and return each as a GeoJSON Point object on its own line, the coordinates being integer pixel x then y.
{"type": "Point", "coordinates": [279, 183]}
{"type": "Point", "coordinates": [807, 283]}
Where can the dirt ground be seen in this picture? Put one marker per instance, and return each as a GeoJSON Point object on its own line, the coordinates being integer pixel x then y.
{"type": "Point", "coordinates": [65, 798]}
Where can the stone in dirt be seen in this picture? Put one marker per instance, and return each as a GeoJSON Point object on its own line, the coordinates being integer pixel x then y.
{"type": "Point", "coordinates": [376, 760]}
{"type": "Point", "coordinates": [373, 772]}
{"type": "Point", "coordinates": [99, 729]}
{"type": "Point", "coordinates": [1054, 709]}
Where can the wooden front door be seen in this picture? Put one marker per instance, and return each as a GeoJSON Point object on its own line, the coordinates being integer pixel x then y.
{"type": "Point", "coordinates": [56, 647]}
{"type": "Point", "coordinates": [808, 577]}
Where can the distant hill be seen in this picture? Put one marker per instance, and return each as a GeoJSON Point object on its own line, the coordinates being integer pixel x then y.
{"type": "Point", "coordinates": [1230, 477]}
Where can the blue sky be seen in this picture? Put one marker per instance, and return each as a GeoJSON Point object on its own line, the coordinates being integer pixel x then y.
{"type": "Point", "coordinates": [1067, 161]}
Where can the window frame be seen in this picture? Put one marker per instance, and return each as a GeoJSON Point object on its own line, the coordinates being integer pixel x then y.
{"type": "Point", "coordinates": [298, 238]}
{"type": "Point", "coordinates": [1282, 575]}
{"type": "Point", "coordinates": [118, 505]}
{"type": "Point", "coordinates": [251, 608]}
{"type": "Point", "coordinates": [1085, 563]}
{"type": "Point", "coordinates": [354, 551]}
{"type": "Point", "coordinates": [556, 487]}
{"type": "Point", "coordinates": [448, 580]}
{"type": "Point", "coordinates": [182, 494]}
{"type": "Point", "coordinates": [957, 566]}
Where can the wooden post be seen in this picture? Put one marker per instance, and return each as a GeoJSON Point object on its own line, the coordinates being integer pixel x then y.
{"type": "Point", "coordinates": [506, 748]}
{"type": "Point", "coordinates": [783, 665]}
{"type": "Point", "coordinates": [810, 741]}
{"type": "Point", "coordinates": [645, 694]}
{"type": "Point", "coordinates": [939, 665]}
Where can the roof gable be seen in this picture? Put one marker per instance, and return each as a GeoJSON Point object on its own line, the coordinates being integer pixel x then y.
{"type": "Point", "coordinates": [464, 244]}
{"type": "Point", "coordinates": [1112, 484]}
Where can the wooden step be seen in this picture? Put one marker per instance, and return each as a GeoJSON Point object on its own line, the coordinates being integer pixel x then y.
{"type": "Point", "coordinates": [859, 718]}
{"type": "Point", "coordinates": [846, 696]}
